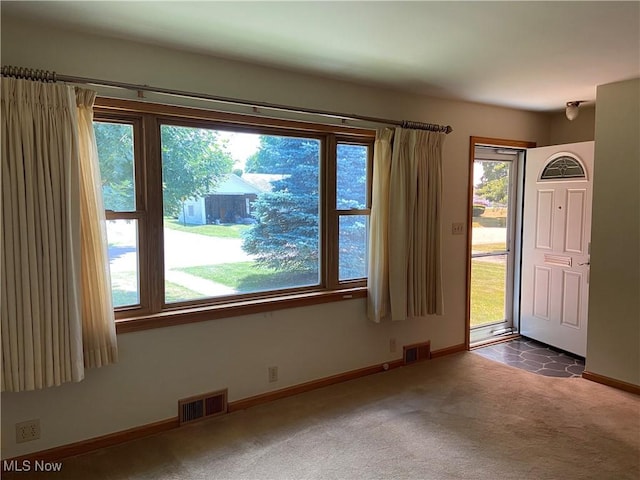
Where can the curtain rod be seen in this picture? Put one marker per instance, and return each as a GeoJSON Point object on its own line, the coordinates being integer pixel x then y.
{"type": "Point", "coordinates": [48, 76]}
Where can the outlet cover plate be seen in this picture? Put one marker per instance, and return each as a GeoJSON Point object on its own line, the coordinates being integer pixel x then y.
{"type": "Point", "coordinates": [27, 431]}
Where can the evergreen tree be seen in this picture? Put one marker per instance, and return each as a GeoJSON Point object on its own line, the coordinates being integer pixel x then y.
{"type": "Point", "coordinates": [286, 233]}
{"type": "Point", "coordinates": [352, 194]}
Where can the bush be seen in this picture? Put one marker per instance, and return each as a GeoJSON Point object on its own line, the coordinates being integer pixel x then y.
{"type": "Point", "coordinates": [478, 210]}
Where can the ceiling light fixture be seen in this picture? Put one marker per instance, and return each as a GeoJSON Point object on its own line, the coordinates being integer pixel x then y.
{"type": "Point", "coordinates": [572, 110]}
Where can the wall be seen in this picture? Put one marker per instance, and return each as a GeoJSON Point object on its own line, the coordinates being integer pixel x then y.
{"type": "Point", "coordinates": [158, 367]}
{"type": "Point", "coordinates": [194, 211]}
{"type": "Point", "coordinates": [613, 341]}
{"type": "Point", "coordinates": [582, 129]}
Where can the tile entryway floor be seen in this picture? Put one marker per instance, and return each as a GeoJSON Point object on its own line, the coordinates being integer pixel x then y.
{"type": "Point", "coordinates": [535, 357]}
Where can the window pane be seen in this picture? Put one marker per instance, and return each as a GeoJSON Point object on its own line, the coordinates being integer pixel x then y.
{"type": "Point", "coordinates": [115, 153]}
{"type": "Point", "coordinates": [252, 229]}
{"type": "Point", "coordinates": [563, 167]}
{"type": "Point", "coordinates": [488, 287]}
{"type": "Point", "coordinates": [352, 176]}
{"type": "Point", "coordinates": [490, 205]}
{"type": "Point", "coordinates": [353, 247]}
{"type": "Point", "coordinates": [122, 236]}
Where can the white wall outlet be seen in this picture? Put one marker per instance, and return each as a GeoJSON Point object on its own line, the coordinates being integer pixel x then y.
{"type": "Point", "coordinates": [457, 228]}
{"type": "Point", "coordinates": [392, 345]}
{"type": "Point", "coordinates": [273, 374]}
{"type": "Point", "coordinates": [27, 431]}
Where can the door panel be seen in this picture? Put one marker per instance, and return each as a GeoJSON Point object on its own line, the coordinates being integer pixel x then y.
{"type": "Point", "coordinates": [555, 252]}
{"type": "Point", "coordinates": [542, 292]}
{"type": "Point", "coordinates": [544, 215]}
{"type": "Point", "coordinates": [574, 234]}
{"type": "Point", "coordinates": [571, 299]}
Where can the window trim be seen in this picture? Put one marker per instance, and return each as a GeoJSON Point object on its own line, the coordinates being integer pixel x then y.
{"type": "Point", "coordinates": [153, 312]}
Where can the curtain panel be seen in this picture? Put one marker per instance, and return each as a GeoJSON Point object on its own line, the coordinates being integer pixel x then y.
{"type": "Point", "coordinates": [405, 276]}
{"type": "Point", "coordinates": [98, 322]}
{"type": "Point", "coordinates": [43, 258]}
{"type": "Point", "coordinates": [378, 307]}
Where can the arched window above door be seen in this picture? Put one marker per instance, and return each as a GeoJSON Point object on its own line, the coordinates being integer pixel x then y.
{"type": "Point", "coordinates": [563, 167]}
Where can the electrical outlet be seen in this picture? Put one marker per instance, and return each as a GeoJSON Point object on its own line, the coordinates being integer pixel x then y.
{"type": "Point", "coordinates": [27, 431]}
{"type": "Point", "coordinates": [457, 228]}
{"type": "Point", "coordinates": [392, 345]}
{"type": "Point", "coordinates": [273, 374]}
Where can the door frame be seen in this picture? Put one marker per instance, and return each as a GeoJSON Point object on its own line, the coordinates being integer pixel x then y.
{"type": "Point", "coordinates": [473, 141]}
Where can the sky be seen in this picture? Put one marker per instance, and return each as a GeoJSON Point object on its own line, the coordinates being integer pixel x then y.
{"type": "Point", "coordinates": [241, 146]}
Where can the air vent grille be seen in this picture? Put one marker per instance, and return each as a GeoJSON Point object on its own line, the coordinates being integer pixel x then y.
{"type": "Point", "coordinates": [417, 352]}
{"type": "Point", "coordinates": [202, 406]}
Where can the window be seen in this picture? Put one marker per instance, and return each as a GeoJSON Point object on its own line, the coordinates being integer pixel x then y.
{"type": "Point", "coordinates": [228, 250]}
{"type": "Point", "coordinates": [352, 204]}
{"type": "Point", "coordinates": [223, 214]}
{"type": "Point", "coordinates": [117, 151]}
{"type": "Point", "coordinates": [562, 168]}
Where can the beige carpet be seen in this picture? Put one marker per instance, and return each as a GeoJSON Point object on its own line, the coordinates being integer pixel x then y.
{"type": "Point", "coordinates": [457, 417]}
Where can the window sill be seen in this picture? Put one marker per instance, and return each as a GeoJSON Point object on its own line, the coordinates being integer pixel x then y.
{"type": "Point", "coordinates": [247, 307]}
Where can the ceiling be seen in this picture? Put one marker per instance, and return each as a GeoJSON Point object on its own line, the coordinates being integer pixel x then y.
{"type": "Point", "coordinates": [529, 55]}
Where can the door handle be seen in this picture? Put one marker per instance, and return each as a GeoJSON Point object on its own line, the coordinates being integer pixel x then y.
{"type": "Point", "coordinates": [585, 263]}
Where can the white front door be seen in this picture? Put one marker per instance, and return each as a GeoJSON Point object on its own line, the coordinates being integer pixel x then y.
{"type": "Point", "coordinates": [555, 245]}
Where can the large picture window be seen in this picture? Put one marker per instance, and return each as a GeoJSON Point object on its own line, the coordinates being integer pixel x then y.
{"type": "Point", "coordinates": [222, 216]}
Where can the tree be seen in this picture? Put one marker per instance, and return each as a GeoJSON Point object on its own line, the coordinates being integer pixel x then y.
{"type": "Point", "coordinates": [286, 233]}
{"type": "Point", "coordinates": [115, 151]}
{"type": "Point", "coordinates": [352, 194]}
{"type": "Point", "coordinates": [351, 176]}
{"type": "Point", "coordinates": [494, 183]}
{"type": "Point", "coordinates": [193, 162]}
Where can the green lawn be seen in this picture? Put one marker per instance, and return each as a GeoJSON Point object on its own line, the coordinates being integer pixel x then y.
{"type": "Point", "coordinates": [173, 292]}
{"type": "Point", "coordinates": [489, 247]}
{"type": "Point", "coordinates": [487, 278]}
{"type": "Point", "coordinates": [177, 293]}
{"type": "Point", "coordinates": [487, 291]}
{"type": "Point", "coordinates": [122, 298]}
{"type": "Point", "coordinates": [249, 277]}
{"type": "Point", "coordinates": [491, 217]}
{"type": "Point", "coordinates": [220, 231]}
{"type": "Point", "coordinates": [487, 286]}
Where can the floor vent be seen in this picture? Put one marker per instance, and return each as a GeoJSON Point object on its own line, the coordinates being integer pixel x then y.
{"type": "Point", "coordinates": [416, 352]}
{"type": "Point", "coordinates": [202, 406]}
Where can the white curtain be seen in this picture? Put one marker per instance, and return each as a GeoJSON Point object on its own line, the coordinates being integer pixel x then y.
{"type": "Point", "coordinates": [98, 323]}
{"type": "Point", "coordinates": [378, 270]}
{"type": "Point", "coordinates": [413, 213]}
{"type": "Point", "coordinates": [43, 264]}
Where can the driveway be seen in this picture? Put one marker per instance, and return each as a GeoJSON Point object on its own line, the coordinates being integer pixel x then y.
{"type": "Point", "coordinates": [182, 249]}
